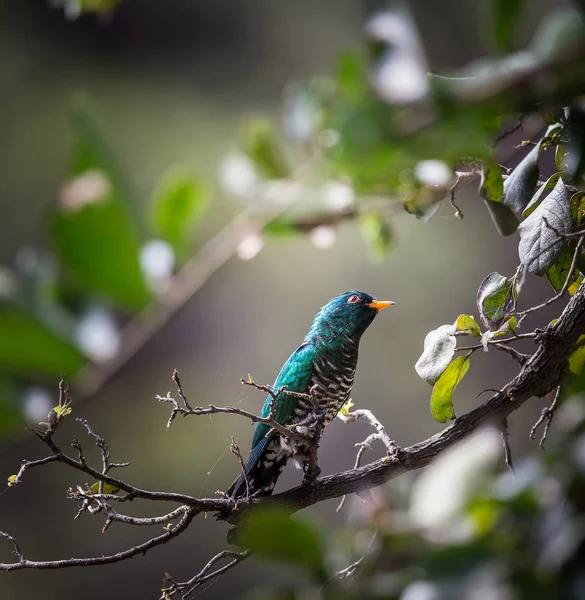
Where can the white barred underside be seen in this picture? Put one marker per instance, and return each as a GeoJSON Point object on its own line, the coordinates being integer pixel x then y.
{"type": "Point", "coordinates": [330, 386]}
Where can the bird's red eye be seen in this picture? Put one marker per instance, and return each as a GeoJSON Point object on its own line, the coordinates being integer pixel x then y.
{"type": "Point", "coordinates": [353, 299]}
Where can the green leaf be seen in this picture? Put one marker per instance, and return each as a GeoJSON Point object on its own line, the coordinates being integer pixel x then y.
{"type": "Point", "coordinates": [564, 161]}
{"type": "Point", "coordinates": [504, 22]}
{"type": "Point", "coordinates": [99, 246]}
{"type": "Point", "coordinates": [542, 192]}
{"type": "Point", "coordinates": [107, 488]}
{"type": "Point", "coordinates": [423, 201]}
{"type": "Point", "coordinates": [557, 273]}
{"type": "Point", "coordinates": [442, 396]}
{"type": "Point", "coordinates": [540, 246]}
{"type": "Point", "coordinates": [272, 534]}
{"type": "Point", "coordinates": [93, 231]}
{"type": "Point", "coordinates": [573, 153]}
{"type": "Point", "coordinates": [577, 204]}
{"type": "Point", "coordinates": [261, 144]}
{"type": "Point", "coordinates": [504, 219]}
{"type": "Point", "coordinates": [29, 347]}
{"type": "Point", "coordinates": [351, 75]}
{"type": "Point", "coordinates": [468, 325]}
{"type": "Point", "coordinates": [520, 185]}
{"type": "Point", "coordinates": [11, 480]}
{"type": "Point", "coordinates": [377, 233]}
{"type": "Point", "coordinates": [491, 185]}
{"type": "Point", "coordinates": [577, 357]}
{"type": "Point", "coordinates": [439, 349]}
{"type": "Point", "coordinates": [179, 202]}
{"type": "Point", "coordinates": [91, 150]}
{"type": "Point", "coordinates": [62, 411]}
{"type": "Point", "coordinates": [496, 300]}
{"type": "Point", "coordinates": [10, 409]}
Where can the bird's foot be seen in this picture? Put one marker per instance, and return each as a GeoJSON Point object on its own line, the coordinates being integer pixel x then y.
{"type": "Point", "coordinates": [395, 452]}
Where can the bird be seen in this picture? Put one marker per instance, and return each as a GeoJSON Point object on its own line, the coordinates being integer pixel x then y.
{"type": "Point", "coordinates": [323, 367]}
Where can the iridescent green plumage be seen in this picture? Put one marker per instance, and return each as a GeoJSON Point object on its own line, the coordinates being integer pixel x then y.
{"type": "Point", "coordinates": [323, 367]}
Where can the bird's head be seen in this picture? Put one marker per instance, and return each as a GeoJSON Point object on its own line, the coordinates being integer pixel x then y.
{"type": "Point", "coordinates": [350, 313]}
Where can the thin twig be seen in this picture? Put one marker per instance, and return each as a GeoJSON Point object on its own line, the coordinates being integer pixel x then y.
{"type": "Point", "coordinates": [463, 178]}
{"type": "Point", "coordinates": [519, 357]}
{"type": "Point", "coordinates": [235, 450]}
{"type": "Point", "coordinates": [16, 548]}
{"type": "Point", "coordinates": [497, 342]}
{"type": "Point", "coordinates": [380, 435]}
{"type": "Point", "coordinates": [188, 587]}
{"type": "Point", "coordinates": [270, 420]}
{"type": "Point", "coordinates": [546, 416]}
{"type": "Point", "coordinates": [504, 134]}
{"type": "Point", "coordinates": [180, 389]}
{"type": "Point", "coordinates": [169, 534]}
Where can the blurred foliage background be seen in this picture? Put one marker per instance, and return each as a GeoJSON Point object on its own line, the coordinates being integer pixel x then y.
{"type": "Point", "coordinates": [155, 94]}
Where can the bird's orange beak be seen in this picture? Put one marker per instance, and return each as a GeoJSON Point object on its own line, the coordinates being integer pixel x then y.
{"type": "Point", "coordinates": [380, 304]}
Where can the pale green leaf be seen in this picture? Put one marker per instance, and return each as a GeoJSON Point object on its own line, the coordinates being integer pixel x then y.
{"type": "Point", "coordinates": [467, 324]}
{"type": "Point", "coordinates": [179, 202]}
{"type": "Point", "coordinates": [442, 396]}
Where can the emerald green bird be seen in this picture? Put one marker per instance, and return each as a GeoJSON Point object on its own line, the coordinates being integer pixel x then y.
{"type": "Point", "coordinates": [323, 366]}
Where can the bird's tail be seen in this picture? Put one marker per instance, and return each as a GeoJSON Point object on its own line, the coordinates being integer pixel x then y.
{"type": "Point", "coordinates": [262, 471]}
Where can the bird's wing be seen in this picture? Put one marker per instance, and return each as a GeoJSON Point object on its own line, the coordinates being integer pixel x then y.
{"type": "Point", "coordinates": [295, 375]}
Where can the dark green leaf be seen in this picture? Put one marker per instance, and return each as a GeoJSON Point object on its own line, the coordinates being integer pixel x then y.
{"type": "Point", "coordinates": [577, 203]}
{"type": "Point", "coordinates": [274, 535]}
{"type": "Point", "coordinates": [93, 231]}
{"type": "Point", "coordinates": [442, 396]}
{"type": "Point", "coordinates": [10, 412]}
{"type": "Point", "coordinates": [439, 348]}
{"type": "Point", "coordinates": [542, 192]}
{"type": "Point", "coordinates": [563, 159]}
{"type": "Point", "coordinates": [281, 227]}
{"type": "Point", "coordinates": [98, 244]}
{"type": "Point", "coordinates": [423, 201]}
{"type": "Point", "coordinates": [572, 154]}
{"type": "Point", "coordinates": [492, 191]}
{"type": "Point", "coordinates": [540, 245]}
{"type": "Point", "coordinates": [505, 19]}
{"type": "Point", "coordinates": [491, 185]}
{"type": "Point", "coordinates": [91, 150]}
{"type": "Point", "coordinates": [377, 233]}
{"type": "Point", "coordinates": [261, 144]}
{"type": "Point", "coordinates": [504, 219]}
{"type": "Point", "coordinates": [29, 347]}
{"type": "Point", "coordinates": [520, 185]}
{"type": "Point", "coordinates": [179, 202]}
{"type": "Point", "coordinates": [496, 300]}
{"type": "Point", "coordinates": [557, 273]}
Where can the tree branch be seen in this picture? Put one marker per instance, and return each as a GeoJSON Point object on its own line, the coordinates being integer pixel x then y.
{"type": "Point", "coordinates": [23, 563]}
